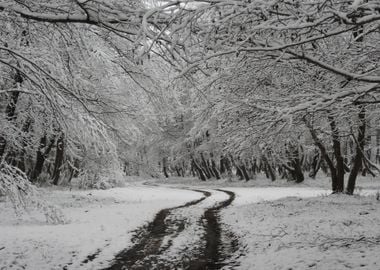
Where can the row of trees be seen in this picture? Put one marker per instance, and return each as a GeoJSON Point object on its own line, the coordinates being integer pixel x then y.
{"type": "Point", "coordinates": [287, 84]}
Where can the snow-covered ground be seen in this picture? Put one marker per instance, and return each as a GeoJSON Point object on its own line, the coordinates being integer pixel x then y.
{"type": "Point", "coordinates": [301, 226]}
{"type": "Point", "coordinates": [101, 222]}
{"type": "Point", "coordinates": [307, 230]}
{"type": "Point", "coordinates": [249, 195]}
{"type": "Point", "coordinates": [325, 232]}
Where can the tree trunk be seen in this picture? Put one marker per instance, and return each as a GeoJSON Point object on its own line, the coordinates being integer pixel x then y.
{"type": "Point", "coordinates": [315, 165]}
{"type": "Point", "coordinates": [199, 170]}
{"type": "Point", "coordinates": [325, 156]}
{"type": "Point", "coordinates": [245, 173]}
{"type": "Point", "coordinates": [296, 164]}
{"type": "Point", "coordinates": [60, 149]}
{"type": "Point", "coordinates": [268, 169]}
{"type": "Point", "coordinates": [298, 174]}
{"type": "Point", "coordinates": [165, 167]}
{"type": "Point", "coordinates": [19, 156]}
{"type": "Point", "coordinates": [178, 170]}
{"type": "Point", "coordinates": [205, 167]}
{"type": "Point", "coordinates": [215, 169]}
{"type": "Point", "coordinates": [255, 168]}
{"type": "Point", "coordinates": [10, 112]}
{"type": "Point", "coordinates": [282, 171]}
{"type": "Point", "coordinates": [359, 153]}
{"type": "Point", "coordinates": [239, 173]}
{"type": "Point", "coordinates": [338, 156]}
{"type": "Point", "coordinates": [222, 165]}
{"type": "Point", "coordinates": [184, 168]}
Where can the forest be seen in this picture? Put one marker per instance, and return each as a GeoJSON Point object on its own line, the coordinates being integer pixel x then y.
{"type": "Point", "coordinates": [94, 91]}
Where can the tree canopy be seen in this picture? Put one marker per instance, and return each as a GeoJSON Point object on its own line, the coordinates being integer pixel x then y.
{"type": "Point", "coordinates": [97, 89]}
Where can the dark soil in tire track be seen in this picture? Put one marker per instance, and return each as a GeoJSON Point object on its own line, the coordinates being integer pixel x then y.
{"type": "Point", "coordinates": [150, 239]}
{"type": "Point", "coordinates": [220, 244]}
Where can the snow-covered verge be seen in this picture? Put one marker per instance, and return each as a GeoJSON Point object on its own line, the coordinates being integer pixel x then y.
{"type": "Point", "coordinates": [324, 232]}
{"type": "Point", "coordinates": [100, 223]}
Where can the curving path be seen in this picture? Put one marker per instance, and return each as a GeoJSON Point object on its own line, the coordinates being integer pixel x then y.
{"type": "Point", "coordinates": [220, 244]}
{"type": "Point", "coordinates": [213, 249]}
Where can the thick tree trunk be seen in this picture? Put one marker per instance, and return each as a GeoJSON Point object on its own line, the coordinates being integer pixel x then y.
{"type": "Point", "coordinates": [298, 174]}
{"type": "Point", "coordinates": [359, 153]}
{"type": "Point", "coordinates": [10, 112]}
{"type": "Point", "coordinates": [326, 157]}
{"type": "Point", "coordinates": [60, 149]}
{"type": "Point", "coordinates": [296, 171]}
{"type": "Point", "coordinates": [315, 165]}
{"type": "Point", "coordinates": [225, 166]}
{"type": "Point", "coordinates": [255, 168]}
{"type": "Point", "coordinates": [245, 173]}
{"type": "Point", "coordinates": [222, 165]}
{"type": "Point", "coordinates": [338, 156]}
{"type": "Point", "coordinates": [165, 167]}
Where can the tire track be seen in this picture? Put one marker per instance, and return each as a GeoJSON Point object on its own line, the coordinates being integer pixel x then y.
{"type": "Point", "coordinates": [220, 244]}
{"type": "Point", "coordinates": [214, 250]}
{"type": "Point", "coordinates": [150, 239]}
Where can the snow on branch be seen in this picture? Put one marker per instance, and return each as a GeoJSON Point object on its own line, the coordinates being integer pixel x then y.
{"type": "Point", "coordinates": [338, 71]}
{"type": "Point", "coordinates": [15, 185]}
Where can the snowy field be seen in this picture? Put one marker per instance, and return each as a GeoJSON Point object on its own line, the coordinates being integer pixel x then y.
{"type": "Point", "coordinates": [99, 221]}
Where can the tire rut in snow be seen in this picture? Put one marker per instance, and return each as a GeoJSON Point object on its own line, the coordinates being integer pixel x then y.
{"type": "Point", "coordinates": [220, 244]}
{"type": "Point", "coordinates": [150, 238]}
